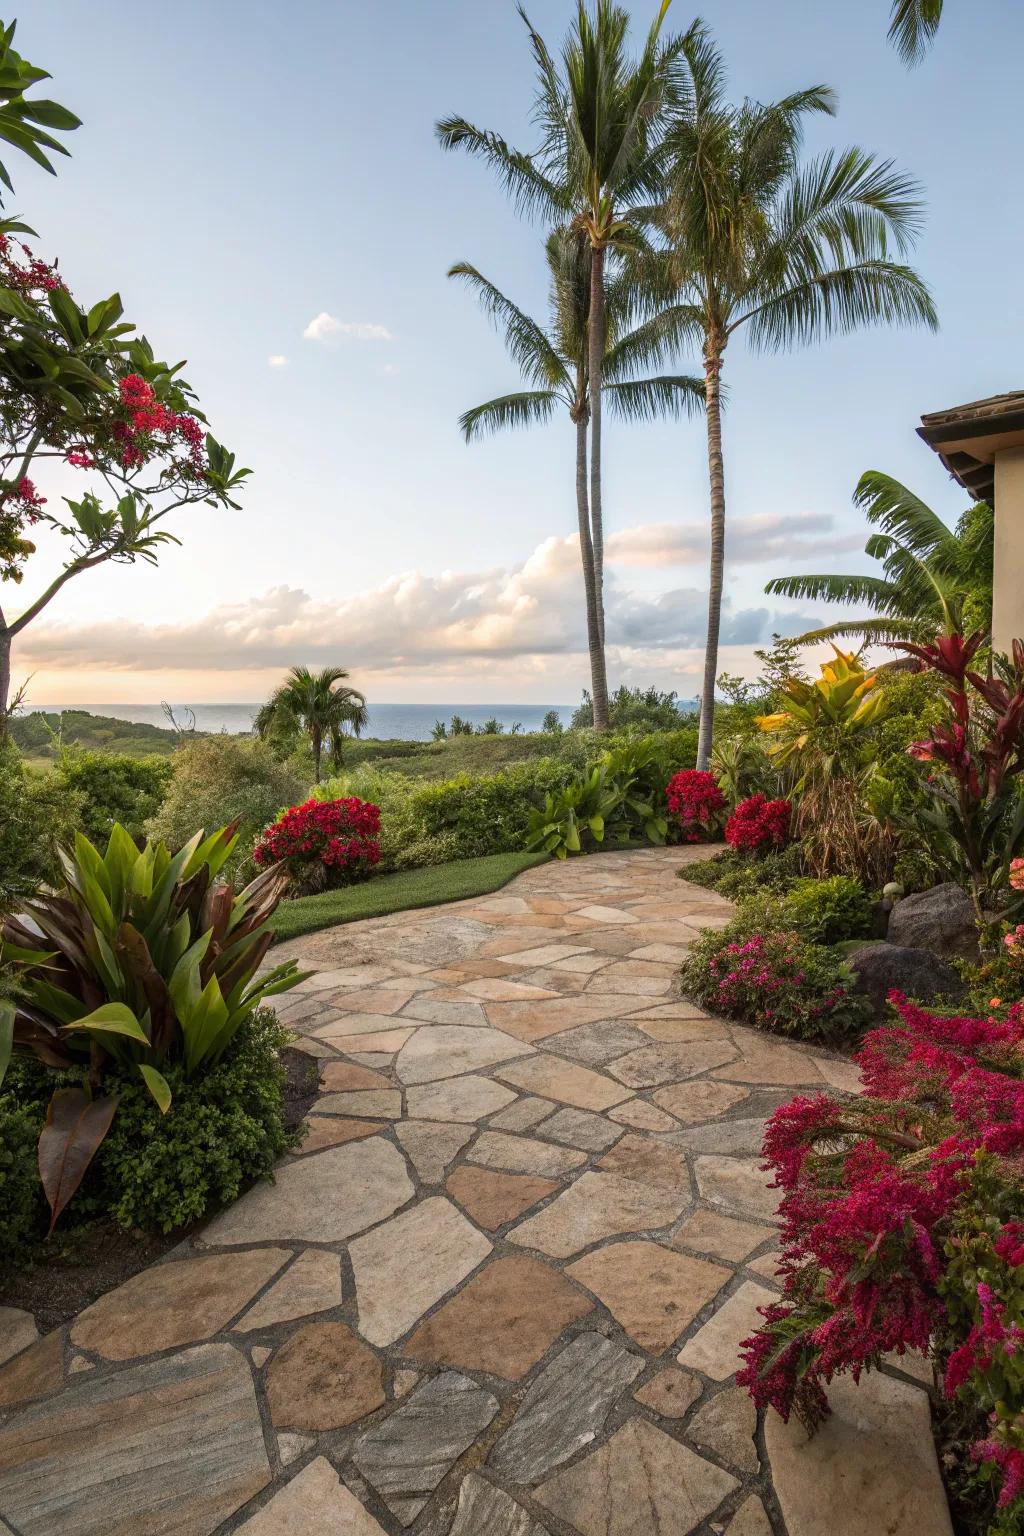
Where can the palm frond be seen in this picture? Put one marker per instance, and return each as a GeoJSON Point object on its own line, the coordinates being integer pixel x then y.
{"type": "Point", "coordinates": [520, 410]}
{"type": "Point", "coordinates": [867, 630]}
{"type": "Point", "coordinates": [526, 341]}
{"type": "Point", "coordinates": [674, 395]}
{"type": "Point", "coordinates": [913, 26]}
{"type": "Point", "coordinates": [531, 190]}
{"type": "Point", "coordinates": [876, 591]}
{"type": "Point", "coordinates": [656, 340]}
{"type": "Point", "coordinates": [898, 512]}
{"type": "Point", "coordinates": [840, 301]}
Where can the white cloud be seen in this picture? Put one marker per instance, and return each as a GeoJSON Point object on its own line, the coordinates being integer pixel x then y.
{"type": "Point", "coordinates": [277, 360]}
{"type": "Point", "coordinates": [414, 622]}
{"type": "Point", "coordinates": [765, 536]}
{"type": "Point", "coordinates": [326, 327]}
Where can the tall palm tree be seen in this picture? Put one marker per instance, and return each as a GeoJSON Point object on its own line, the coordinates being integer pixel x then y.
{"type": "Point", "coordinates": [785, 251]}
{"type": "Point", "coordinates": [600, 118]}
{"type": "Point", "coordinates": [912, 27]}
{"type": "Point", "coordinates": [556, 362]}
{"type": "Point", "coordinates": [936, 579]}
{"type": "Point", "coordinates": [318, 704]}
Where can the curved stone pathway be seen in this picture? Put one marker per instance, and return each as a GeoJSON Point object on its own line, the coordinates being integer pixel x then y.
{"type": "Point", "coordinates": [499, 1290]}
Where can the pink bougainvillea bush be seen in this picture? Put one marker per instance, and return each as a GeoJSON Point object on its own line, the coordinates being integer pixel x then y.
{"type": "Point", "coordinates": [323, 842]}
{"type": "Point", "coordinates": [759, 824]}
{"type": "Point", "coordinates": [696, 804]}
{"type": "Point", "coordinates": [903, 1228]}
{"type": "Point", "coordinates": [775, 981]}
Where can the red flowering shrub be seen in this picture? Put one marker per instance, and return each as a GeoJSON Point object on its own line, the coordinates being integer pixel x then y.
{"type": "Point", "coordinates": [759, 823]}
{"type": "Point", "coordinates": [903, 1228]}
{"type": "Point", "coordinates": [697, 803]}
{"type": "Point", "coordinates": [323, 842]}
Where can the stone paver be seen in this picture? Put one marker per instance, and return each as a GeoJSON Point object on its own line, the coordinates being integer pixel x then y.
{"type": "Point", "coordinates": [652, 1291]}
{"type": "Point", "coordinates": [403, 1267]}
{"type": "Point", "coordinates": [641, 1480]}
{"type": "Point", "coordinates": [565, 1408]}
{"type": "Point", "coordinates": [125, 1454]}
{"type": "Point", "coordinates": [314, 1500]}
{"type": "Point", "coordinates": [320, 1199]}
{"type": "Point", "coordinates": [323, 1377]}
{"type": "Point", "coordinates": [597, 1206]}
{"type": "Point", "coordinates": [492, 1199]}
{"type": "Point", "coordinates": [405, 1457]}
{"type": "Point", "coordinates": [174, 1304]}
{"type": "Point", "coordinates": [503, 1321]}
{"type": "Point", "coordinates": [499, 1288]}
{"type": "Point", "coordinates": [872, 1464]}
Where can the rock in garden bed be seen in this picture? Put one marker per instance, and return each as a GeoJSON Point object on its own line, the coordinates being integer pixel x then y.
{"type": "Point", "coordinates": [941, 920]}
{"type": "Point", "coordinates": [919, 973]}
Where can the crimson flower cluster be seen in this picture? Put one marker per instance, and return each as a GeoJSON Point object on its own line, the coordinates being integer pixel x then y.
{"type": "Point", "coordinates": [142, 421]}
{"type": "Point", "coordinates": [892, 1229]}
{"type": "Point", "coordinates": [697, 803]}
{"type": "Point", "coordinates": [28, 277]}
{"type": "Point", "coordinates": [759, 823]}
{"type": "Point", "coordinates": [341, 835]}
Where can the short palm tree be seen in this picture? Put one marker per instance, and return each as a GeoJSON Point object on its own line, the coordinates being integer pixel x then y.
{"type": "Point", "coordinates": [784, 251]}
{"type": "Point", "coordinates": [601, 118]}
{"type": "Point", "coordinates": [320, 706]}
{"type": "Point", "coordinates": [556, 362]}
{"type": "Point", "coordinates": [935, 580]}
{"type": "Point", "coordinates": [913, 24]}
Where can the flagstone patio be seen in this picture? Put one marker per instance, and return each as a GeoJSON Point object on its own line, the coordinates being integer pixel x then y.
{"type": "Point", "coordinates": [499, 1289]}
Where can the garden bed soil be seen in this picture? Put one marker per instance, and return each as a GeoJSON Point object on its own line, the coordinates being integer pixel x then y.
{"type": "Point", "coordinates": [74, 1268]}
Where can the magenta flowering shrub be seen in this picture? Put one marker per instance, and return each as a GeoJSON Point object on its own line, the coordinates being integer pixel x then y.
{"type": "Point", "coordinates": [903, 1228]}
{"type": "Point", "coordinates": [775, 981]}
{"type": "Point", "coordinates": [696, 804]}
{"type": "Point", "coordinates": [323, 842]}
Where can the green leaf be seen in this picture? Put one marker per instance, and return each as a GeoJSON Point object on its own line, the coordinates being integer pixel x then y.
{"type": "Point", "coordinates": [111, 1019]}
{"type": "Point", "coordinates": [158, 1087]}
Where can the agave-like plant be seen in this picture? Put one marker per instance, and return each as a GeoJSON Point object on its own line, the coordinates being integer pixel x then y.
{"type": "Point", "coordinates": [140, 959]}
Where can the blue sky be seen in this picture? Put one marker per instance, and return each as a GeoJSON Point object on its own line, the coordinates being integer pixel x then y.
{"type": "Point", "coordinates": [244, 168]}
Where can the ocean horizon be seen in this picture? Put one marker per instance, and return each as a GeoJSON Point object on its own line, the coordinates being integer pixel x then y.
{"type": "Point", "coordinates": [388, 722]}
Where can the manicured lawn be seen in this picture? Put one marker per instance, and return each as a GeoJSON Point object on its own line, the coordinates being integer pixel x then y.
{"type": "Point", "coordinates": [397, 893]}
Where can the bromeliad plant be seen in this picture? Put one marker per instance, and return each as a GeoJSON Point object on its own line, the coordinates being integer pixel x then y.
{"type": "Point", "coordinates": [139, 960]}
{"type": "Point", "coordinates": [976, 758]}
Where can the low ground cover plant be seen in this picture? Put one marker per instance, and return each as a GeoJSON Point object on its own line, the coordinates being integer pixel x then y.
{"type": "Point", "coordinates": [137, 972]}
{"type": "Point", "coordinates": [903, 1228]}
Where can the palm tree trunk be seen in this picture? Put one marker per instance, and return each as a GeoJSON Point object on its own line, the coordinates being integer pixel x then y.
{"type": "Point", "coordinates": [598, 677]}
{"type": "Point", "coordinates": [596, 343]}
{"type": "Point", "coordinates": [716, 475]}
{"type": "Point", "coordinates": [317, 748]}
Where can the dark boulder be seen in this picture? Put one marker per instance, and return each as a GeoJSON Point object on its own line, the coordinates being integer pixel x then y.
{"type": "Point", "coordinates": [941, 920]}
{"type": "Point", "coordinates": [879, 968]}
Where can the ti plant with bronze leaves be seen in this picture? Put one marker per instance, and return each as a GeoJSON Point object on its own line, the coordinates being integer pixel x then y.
{"type": "Point", "coordinates": [139, 959]}
{"type": "Point", "coordinates": [975, 761]}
